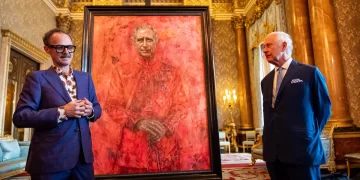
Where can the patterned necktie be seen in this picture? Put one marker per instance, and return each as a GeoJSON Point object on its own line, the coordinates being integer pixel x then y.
{"type": "Point", "coordinates": [278, 81]}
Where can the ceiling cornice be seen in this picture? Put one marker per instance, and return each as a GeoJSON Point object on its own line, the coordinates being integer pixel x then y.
{"type": "Point", "coordinates": [215, 15]}
{"type": "Point", "coordinates": [56, 10]}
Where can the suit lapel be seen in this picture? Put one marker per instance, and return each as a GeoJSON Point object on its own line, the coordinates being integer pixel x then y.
{"type": "Point", "coordinates": [289, 74]}
{"type": "Point", "coordinates": [270, 90]}
{"type": "Point", "coordinates": [53, 79]}
{"type": "Point", "coordinates": [81, 84]}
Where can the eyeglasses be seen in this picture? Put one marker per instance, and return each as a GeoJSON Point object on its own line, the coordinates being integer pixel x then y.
{"type": "Point", "coordinates": [61, 48]}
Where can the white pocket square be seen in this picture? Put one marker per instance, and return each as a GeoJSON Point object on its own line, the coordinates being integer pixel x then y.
{"type": "Point", "coordinates": [296, 81]}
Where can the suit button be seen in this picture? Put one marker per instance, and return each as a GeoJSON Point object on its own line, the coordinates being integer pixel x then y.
{"type": "Point", "coordinates": [76, 130]}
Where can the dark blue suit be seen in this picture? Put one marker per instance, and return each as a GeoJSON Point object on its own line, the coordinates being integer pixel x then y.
{"type": "Point", "coordinates": [292, 128]}
{"type": "Point", "coordinates": [55, 146]}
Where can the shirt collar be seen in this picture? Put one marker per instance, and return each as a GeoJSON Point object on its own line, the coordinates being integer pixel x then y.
{"type": "Point", "coordinates": [59, 71]}
{"type": "Point", "coordinates": [285, 65]}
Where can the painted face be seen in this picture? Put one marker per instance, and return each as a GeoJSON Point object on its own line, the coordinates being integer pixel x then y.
{"type": "Point", "coordinates": [60, 59]}
{"type": "Point", "coordinates": [273, 50]}
{"type": "Point", "coordinates": [145, 42]}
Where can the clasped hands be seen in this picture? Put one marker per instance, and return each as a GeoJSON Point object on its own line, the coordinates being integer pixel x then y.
{"type": "Point", "coordinates": [155, 129]}
{"type": "Point", "coordinates": [78, 108]}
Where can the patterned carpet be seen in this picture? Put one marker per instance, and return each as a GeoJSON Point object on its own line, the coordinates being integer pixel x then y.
{"type": "Point", "coordinates": [235, 166]}
{"type": "Point", "coordinates": [238, 160]}
{"type": "Point", "coordinates": [245, 173]}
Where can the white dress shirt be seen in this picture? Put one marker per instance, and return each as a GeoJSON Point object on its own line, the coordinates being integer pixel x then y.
{"type": "Point", "coordinates": [285, 67]}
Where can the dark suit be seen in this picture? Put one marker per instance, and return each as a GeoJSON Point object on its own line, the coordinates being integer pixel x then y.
{"type": "Point", "coordinates": [55, 146]}
{"type": "Point", "coordinates": [302, 108]}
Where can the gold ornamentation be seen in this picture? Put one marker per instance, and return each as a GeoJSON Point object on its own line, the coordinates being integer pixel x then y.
{"type": "Point", "coordinates": [268, 28]}
{"type": "Point", "coordinates": [221, 1]}
{"type": "Point", "coordinates": [25, 46]}
{"type": "Point", "coordinates": [231, 134]}
{"type": "Point", "coordinates": [79, 7]}
{"type": "Point", "coordinates": [237, 4]}
{"type": "Point", "coordinates": [107, 2]}
{"type": "Point", "coordinates": [64, 22]}
{"type": "Point", "coordinates": [238, 22]}
{"type": "Point", "coordinates": [76, 33]}
{"type": "Point", "coordinates": [62, 3]}
{"type": "Point", "coordinates": [260, 7]}
{"type": "Point", "coordinates": [330, 161]}
{"type": "Point", "coordinates": [222, 7]}
{"type": "Point", "coordinates": [197, 2]}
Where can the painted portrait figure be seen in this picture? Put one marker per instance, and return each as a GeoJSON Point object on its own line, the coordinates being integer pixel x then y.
{"type": "Point", "coordinates": [152, 89]}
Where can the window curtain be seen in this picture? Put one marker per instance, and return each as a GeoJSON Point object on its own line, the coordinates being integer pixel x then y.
{"type": "Point", "coordinates": [273, 19]}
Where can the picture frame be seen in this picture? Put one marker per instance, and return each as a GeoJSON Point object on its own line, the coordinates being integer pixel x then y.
{"type": "Point", "coordinates": [153, 72]}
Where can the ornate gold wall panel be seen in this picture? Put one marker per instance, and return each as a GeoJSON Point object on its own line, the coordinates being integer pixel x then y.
{"type": "Point", "coordinates": [226, 74]}
{"type": "Point", "coordinates": [28, 19]}
{"type": "Point", "coordinates": [77, 33]}
{"type": "Point", "coordinates": [79, 6]}
{"type": "Point", "coordinates": [348, 25]}
{"type": "Point", "coordinates": [222, 7]}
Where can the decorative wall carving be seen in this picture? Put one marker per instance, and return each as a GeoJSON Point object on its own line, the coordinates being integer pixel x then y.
{"type": "Point", "coordinates": [64, 22]}
{"type": "Point", "coordinates": [348, 25]}
{"type": "Point", "coordinates": [240, 3]}
{"type": "Point", "coordinates": [239, 22]}
{"type": "Point", "coordinates": [62, 3]}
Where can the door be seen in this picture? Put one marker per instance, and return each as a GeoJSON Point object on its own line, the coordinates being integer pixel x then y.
{"type": "Point", "coordinates": [19, 66]}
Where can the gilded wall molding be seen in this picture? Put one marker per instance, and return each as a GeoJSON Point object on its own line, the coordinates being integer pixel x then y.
{"type": "Point", "coordinates": [260, 7]}
{"type": "Point", "coordinates": [25, 46]}
{"type": "Point", "coordinates": [219, 9]}
{"type": "Point", "coordinates": [107, 2]}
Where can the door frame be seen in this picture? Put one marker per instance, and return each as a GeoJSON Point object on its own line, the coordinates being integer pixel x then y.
{"type": "Point", "coordinates": [10, 40]}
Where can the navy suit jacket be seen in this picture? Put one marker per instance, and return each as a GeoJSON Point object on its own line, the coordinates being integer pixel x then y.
{"type": "Point", "coordinates": [54, 146]}
{"type": "Point", "coordinates": [293, 127]}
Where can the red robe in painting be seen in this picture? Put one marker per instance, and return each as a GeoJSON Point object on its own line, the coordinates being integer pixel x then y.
{"type": "Point", "coordinates": [143, 89]}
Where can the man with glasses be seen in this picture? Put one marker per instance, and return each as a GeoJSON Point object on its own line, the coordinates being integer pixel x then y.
{"type": "Point", "coordinates": [59, 103]}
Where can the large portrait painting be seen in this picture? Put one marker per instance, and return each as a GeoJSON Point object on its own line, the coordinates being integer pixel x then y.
{"type": "Point", "coordinates": [153, 72]}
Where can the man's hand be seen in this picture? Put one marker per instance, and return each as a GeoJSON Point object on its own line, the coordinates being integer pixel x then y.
{"type": "Point", "coordinates": [88, 107]}
{"type": "Point", "coordinates": [74, 109]}
{"type": "Point", "coordinates": [155, 129]}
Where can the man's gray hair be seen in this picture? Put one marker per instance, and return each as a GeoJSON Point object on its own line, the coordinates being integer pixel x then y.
{"type": "Point", "coordinates": [144, 26]}
{"type": "Point", "coordinates": [285, 37]}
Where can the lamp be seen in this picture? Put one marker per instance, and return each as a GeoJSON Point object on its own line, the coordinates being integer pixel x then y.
{"type": "Point", "coordinates": [230, 128]}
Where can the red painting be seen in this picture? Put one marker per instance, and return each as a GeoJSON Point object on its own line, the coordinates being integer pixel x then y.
{"type": "Point", "coordinates": [149, 77]}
